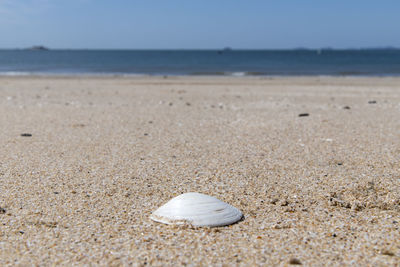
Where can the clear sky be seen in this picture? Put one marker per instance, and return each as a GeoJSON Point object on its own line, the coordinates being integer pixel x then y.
{"type": "Point", "coordinates": [200, 24]}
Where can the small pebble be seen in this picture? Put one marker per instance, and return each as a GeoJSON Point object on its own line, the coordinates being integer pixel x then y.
{"type": "Point", "coordinates": [284, 203]}
{"type": "Point", "coordinates": [372, 102]}
{"type": "Point", "coordinates": [304, 115]}
{"type": "Point", "coordinates": [26, 134]}
{"type": "Point", "coordinates": [387, 252]}
{"type": "Point", "coordinates": [2, 211]}
{"type": "Point", "coordinates": [346, 107]}
{"type": "Point", "coordinates": [295, 261]}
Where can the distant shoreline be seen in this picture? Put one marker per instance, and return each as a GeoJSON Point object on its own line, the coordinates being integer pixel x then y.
{"type": "Point", "coordinates": [171, 76]}
{"type": "Point", "coordinates": [233, 75]}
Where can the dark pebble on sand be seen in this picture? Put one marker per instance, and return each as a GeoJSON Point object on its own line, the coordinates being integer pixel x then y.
{"type": "Point", "coordinates": [188, 104]}
{"type": "Point", "coordinates": [2, 211]}
{"type": "Point", "coordinates": [21, 232]}
{"type": "Point", "coordinates": [26, 134]}
{"type": "Point", "coordinates": [146, 134]}
{"type": "Point", "coordinates": [346, 107]}
{"type": "Point", "coordinates": [387, 253]}
{"type": "Point", "coordinates": [295, 261]}
{"type": "Point", "coordinates": [372, 102]}
{"type": "Point", "coordinates": [304, 115]}
{"type": "Point", "coordinates": [340, 163]}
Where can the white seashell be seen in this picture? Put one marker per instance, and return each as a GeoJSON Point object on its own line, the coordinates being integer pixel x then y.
{"type": "Point", "coordinates": [198, 210]}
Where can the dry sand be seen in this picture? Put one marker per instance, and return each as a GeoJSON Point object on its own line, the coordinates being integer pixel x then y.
{"type": "Point", "coordinates": [105, 152]}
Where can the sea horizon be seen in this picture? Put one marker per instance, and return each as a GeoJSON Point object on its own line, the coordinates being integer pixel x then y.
{"type": "Point", "coordinates": [47, 48]}
{"type": "Point", "coordinates": [40, 60]}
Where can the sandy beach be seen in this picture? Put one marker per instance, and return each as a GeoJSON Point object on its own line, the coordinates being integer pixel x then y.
{"type": "Point", "coordinates": [100, 154]}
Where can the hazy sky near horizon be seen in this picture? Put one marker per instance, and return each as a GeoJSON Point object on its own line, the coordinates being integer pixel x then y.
{"type": "Point", "coordinates": [205, 24]}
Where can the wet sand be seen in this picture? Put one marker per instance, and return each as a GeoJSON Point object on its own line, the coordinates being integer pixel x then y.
{"type": "Point", "coordinates": [105, 152]}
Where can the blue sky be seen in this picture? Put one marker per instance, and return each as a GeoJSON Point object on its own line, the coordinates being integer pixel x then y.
{"type": "Point", "coordinates": [200, 24]}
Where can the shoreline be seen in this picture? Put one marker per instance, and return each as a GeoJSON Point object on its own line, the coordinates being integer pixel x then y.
{"type": "Point", "coordinates": [158, 75]}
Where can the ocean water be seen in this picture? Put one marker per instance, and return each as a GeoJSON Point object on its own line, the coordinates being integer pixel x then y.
{"type": "Point", "coordinates": [384, 62]}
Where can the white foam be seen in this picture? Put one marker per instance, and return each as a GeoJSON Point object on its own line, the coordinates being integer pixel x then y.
{"type": "Point", "coordinates": [239, 74]}
{"type": "Point", "coordinates": [14, 73]}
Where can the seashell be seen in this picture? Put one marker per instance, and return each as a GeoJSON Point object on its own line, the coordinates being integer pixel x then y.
{"type": "Point", "coordinates": [198, 210]}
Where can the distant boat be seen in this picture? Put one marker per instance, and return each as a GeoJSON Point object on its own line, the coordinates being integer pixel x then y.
{"type": "Point", "coordinates": [38, 48]}
{"type": "Point", "coordinates": [226, 49]}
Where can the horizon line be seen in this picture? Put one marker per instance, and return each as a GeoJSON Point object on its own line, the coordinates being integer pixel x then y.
{"type": "Point", "coordinates": [227, 48]}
